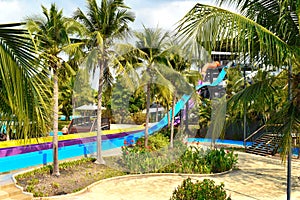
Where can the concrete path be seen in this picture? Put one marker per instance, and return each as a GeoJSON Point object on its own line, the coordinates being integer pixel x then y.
{"type": "Point", "coordinates": [257, 178]}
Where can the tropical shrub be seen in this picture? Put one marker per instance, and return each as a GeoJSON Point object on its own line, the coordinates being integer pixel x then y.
{"type": "Point", "coordinates": [138, 117]}
{"type": "Point", "coordinates": [219, 160]}
{"type": "Point", "coordinates": [200, 190]}
{"type": "Point", "coordinates": [138, 159]}
{"type": "Point", "coordinates": [180, 159]}
{"type": "Point", "coordinates": [155, 142]}
{"type": "Point", "coordinates": [197, 161]}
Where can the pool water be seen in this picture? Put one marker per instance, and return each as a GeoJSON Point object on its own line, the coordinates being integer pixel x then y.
{"type": "Point", "coordinates": [220, 141]}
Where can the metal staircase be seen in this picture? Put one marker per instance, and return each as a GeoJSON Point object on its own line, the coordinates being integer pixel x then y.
{"type": "Point", "coordinates": [266, 144]}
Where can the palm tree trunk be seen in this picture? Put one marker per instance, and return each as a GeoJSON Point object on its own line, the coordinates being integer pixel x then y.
{"type": "Point", "coordinates": [187, 118]}
{"type": "Point", "coordinates": [55, 125]}
{"type": "Point", "coordinates": [168, 114]}
{"type": "Point", "coordinates": [156, 116]}
{"type": "Point", "coordinates": [172, 120]}
{"type": "Point", "coordinates": [147, 115]}
{"type": "Point", "coordinates": [100, 159]}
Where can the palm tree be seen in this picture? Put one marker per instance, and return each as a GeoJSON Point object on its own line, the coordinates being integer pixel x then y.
{"type": "Point", "coordinates": [266, 32]}
{"type": "Point", "coordinates": [51, 34]}
{"type": "Point", "coordinates": [151, 45]}
{"type": "Point", "coordinates": [178, 60]}
{"type": "Point", "coordinates": [104, 25]}
{"type": "Point", "coordinates": [23, 95]}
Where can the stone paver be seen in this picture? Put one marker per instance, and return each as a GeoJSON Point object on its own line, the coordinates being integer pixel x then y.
{"type": "Point", "coordinates": [257, 178]}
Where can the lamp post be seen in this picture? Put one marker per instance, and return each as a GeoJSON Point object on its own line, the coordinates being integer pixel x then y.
{"type": "Point", "coordinates": [289, 156]}
{"type": "Point", "coordinates": [245, 110]}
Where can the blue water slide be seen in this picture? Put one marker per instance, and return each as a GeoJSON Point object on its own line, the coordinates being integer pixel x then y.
{"type": "Point", "coordinates": [184, 100]}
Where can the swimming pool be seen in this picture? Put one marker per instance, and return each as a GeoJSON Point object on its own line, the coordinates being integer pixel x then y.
{"type": "Point", "coordinates": [220, 141]}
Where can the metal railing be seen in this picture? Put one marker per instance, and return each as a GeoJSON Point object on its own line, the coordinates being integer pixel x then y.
{"type": "Point", "coordinates": [254, 133]}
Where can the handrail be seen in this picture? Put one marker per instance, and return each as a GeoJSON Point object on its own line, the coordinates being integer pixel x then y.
{"type": "Point", "coordinates": [255, 132]}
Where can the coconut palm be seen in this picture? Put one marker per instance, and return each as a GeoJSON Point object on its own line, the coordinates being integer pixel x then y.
{"type": "Point", "coordinates": [152, 45]}
{"type": "Point", "coordinates": [178, 60]}
{"type": "Point", "coordinates": [266, 32]}
{"type": "Point", "coordinates": [23, 92]}
{"type": "Point", "coordinates": [51, 34]}
{"type": "Point", "coordinates": [104, 24]}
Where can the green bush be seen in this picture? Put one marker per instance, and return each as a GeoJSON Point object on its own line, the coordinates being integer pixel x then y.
{"type": "Point", "coordinates": [155, 142]}
{"type": "Point", "coordinates": [61, 124]}
{"type": "Point", "coordinates": [197, 161]}
{"type": "Point", "coordinates": [204, 190]}
{"type": "Point", "coordinates": [180, 159]}
{"type": "Point", "coordinates": [138, 117]}
{"type": "Point", "coordinates": [219, 160]}
{"type": "Point", "coordinates": [138, 159]}
{"type": "Point", "coordinates": [191, 161]}
{"type": "Point", "coordinates": [167, 131]}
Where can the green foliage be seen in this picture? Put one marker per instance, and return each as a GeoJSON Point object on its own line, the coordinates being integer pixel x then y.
{"type": "Point", "coordinates": [155, 142]}
{"type": "Point", "coordinates": [55, 185]}
{"type": "Point", "coordinates": [158, 158]}
{"type": "Point", "coordinates": [167, 131]}
{"type": "Point", "coordinates": [127, 105]}
{"type": "Point", "coordinates": [235, 81]}
{"type": "Point", "coordinates": [219, 160]}
{"type": "Point", "coordinates": [24, 94]}
{"type": "Point", "coordinates": [138, 117]}
{"type": "Point", "coordinates": [65, 98]}
{"type": "Point", "coordinates": [266, 33]}
{"type": "Point", "coordinates": [137, 102]}
{"type": "Point", "coordinates": [200, 190]}
{"type": "Point", "coordinates": [138, 159]}
{"type": "Point", "coordinates": [31, 180]}
{"type": "Point", "coordinates": [205, 110]}
{"type": "Point", "coordinates": [61, 124]}
{"type": "Point", "coordinates": [83, 93]}
{"type": "Point", "coordinates": [48, 168]}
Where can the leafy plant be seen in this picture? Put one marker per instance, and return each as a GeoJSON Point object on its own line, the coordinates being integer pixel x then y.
{"type": "Point", "coordinates": [138, 159]}
{"type": "Point", "coordinates": [204, 190]}
{"type": "Point", "coordinates": [55, 185]}
{"type": "Point", "coordinates": [156, 142]}
{"type": "Point", "coordinates": [219, 160]}
{"type": "Point", "coordinates": [138, 117]}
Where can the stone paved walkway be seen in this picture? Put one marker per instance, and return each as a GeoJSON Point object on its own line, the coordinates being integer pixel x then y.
{"type": "Point", "coordinates": [257, 178]}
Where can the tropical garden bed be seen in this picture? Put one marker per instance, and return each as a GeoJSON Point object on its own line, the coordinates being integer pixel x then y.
{"type": "Point", "coordinates": [135, 159]}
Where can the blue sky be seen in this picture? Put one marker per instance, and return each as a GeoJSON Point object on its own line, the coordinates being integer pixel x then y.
{"type": "Point", "coordinates": [151, 13]}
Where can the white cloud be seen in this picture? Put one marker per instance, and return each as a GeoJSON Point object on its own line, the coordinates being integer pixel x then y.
{"type": "Point", "coordinates": [10, 11]}
{"type": "Point", "coordinates": [19, 10]}
{"type": "Point", "coordinates": [162, 13]}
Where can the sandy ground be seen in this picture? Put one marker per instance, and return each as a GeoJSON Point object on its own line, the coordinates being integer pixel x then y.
{"type": "Point", "coordinates": [257, 178]}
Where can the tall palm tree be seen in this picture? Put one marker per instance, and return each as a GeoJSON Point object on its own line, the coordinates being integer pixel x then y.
{"type": "Point", "coordinates": [24, 91]}
{"type": "Point", "coordinates": [178, 60]}
{"type": "Point", "coordinates": [104, 25]}
{"type": "Point", "coordinates": [151, 45]}
{"type": "Point", "coordinates": [266, 32]}
{"type": "Point", "coordinates": [51, 34]}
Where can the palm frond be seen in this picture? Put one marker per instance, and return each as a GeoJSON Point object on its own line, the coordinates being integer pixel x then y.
{"type": "Point", "coordinates": [24, 94]}
{"type": "Point", "coordinates": [257, 93]}
{"type": "Point", "coordinates": [209, 25]}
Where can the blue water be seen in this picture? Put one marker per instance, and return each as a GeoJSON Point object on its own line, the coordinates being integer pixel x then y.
{"type": "Point", "coordinates": [233, 142]}
{"type": "Point", "coordinates": [44, 157]}
{"type": "Point", "coordinates": [220, 141]}
{"type": "Point", "coordinates": [59, 133]}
